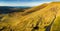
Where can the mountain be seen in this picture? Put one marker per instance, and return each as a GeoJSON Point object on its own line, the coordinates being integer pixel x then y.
{"type": "Point", "coordinates": [45, 17]}
{"type": "Point", "coordinates": [35, 8]}
{"type": "Point", "coordinates": [10, 9]}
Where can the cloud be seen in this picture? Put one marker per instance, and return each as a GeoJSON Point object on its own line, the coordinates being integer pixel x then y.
{"type": "Point", "coordinates": [22, 0]}
{"type": "Point", "coordinates": [56, 0]}
{"type": "Point", "coordinates": [32, 3]}
{"type": "Point", "coordinates": [22, 4]}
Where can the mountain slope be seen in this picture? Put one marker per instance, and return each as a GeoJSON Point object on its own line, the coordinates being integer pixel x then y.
{"type": "Point", "coordinates": [46, 19]}
{"type": "Point", "coordinates": [45, 16]}
{"type": "Point", "coordinates": [35, 8]}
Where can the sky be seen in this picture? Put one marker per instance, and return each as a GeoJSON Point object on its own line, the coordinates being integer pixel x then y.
{"type": "Point", "coordinates": [23, 2]}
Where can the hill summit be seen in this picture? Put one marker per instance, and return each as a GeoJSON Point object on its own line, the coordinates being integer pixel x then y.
{"type": "Point", "coordinates": [45, 17]}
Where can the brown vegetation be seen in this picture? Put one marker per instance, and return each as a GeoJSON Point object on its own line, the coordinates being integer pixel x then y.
{"type": "Point", "coordinates": [42, 18]}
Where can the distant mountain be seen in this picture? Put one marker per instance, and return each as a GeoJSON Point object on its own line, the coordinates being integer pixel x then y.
{"type": "Point", "coordinates": [21, 6]}
{"type": "Point", "coordinates": [14, 6]}
{"type": "Point", "coordinates": [8, 9]}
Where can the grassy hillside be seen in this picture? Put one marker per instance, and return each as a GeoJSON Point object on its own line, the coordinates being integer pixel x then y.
{"type": "Point", "coordinates": [45, 17]}
{"type": "Point", "coordinates": [35, 8]}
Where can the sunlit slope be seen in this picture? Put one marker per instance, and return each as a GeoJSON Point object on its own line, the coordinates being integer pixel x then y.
{"type": "Point", "coordinates": [46, 19]}
{"type": "Point", "coordinates": [35, 8]}
{"type": "Point", "coordinates": [40, 19]}
{"type": "Point", "coordinates": [56, 24]}
{"type": "Point", "coordinates": [10, 18]}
